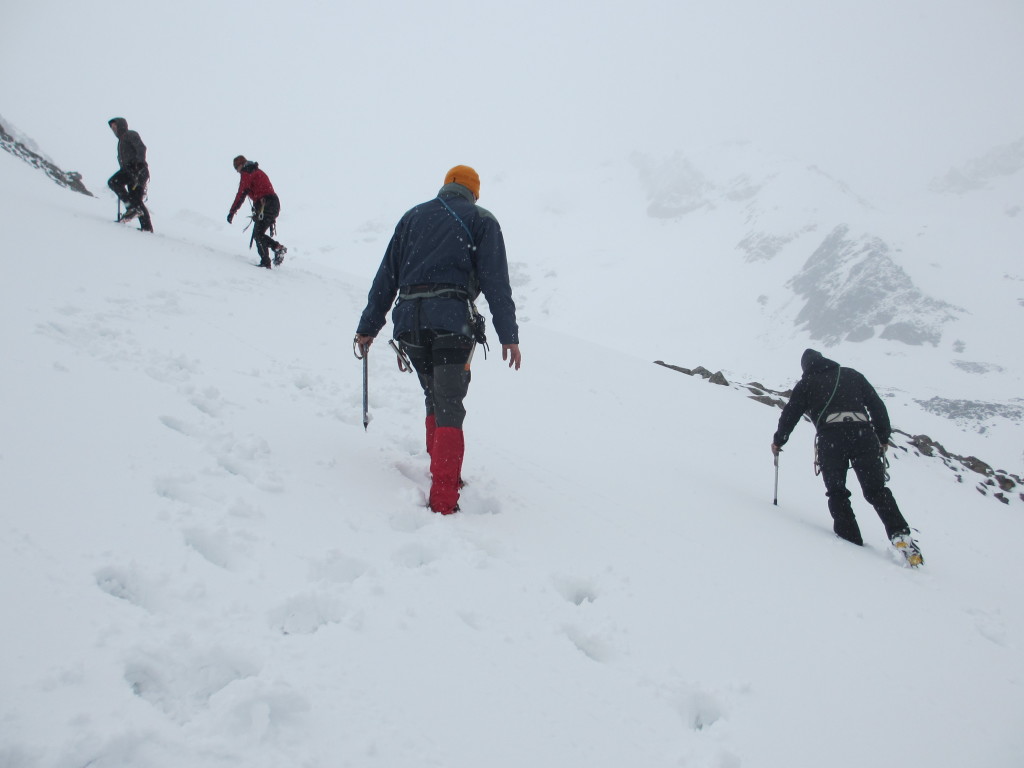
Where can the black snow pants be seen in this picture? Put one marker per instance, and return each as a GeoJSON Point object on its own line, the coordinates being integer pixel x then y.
{"type": "Point", "coordinates": [265, 217]}
{"type": "Point", "coordinates": [845, 445]}
{"type": "Point", "coordinates": [129, 184]}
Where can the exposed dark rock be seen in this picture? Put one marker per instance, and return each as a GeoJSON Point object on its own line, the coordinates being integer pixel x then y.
{"type": "Point", "coordinates": [719, 378]}
{"type": "Point", "coordinates": [762, 246]}
{"type": "Point", "coordinates": [687, 371]}
{"type": "Point", "coordinates": [70, 179]}
{"type": "Point", "coordinates": [971, 367]}
{"type": "Point", "coordinates": [972, 413]}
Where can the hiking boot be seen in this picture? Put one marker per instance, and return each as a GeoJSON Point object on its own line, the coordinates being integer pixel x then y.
{"type": "Point", "coordinates": [906, 546]}
{"type": "Point", "coordinates": [130, 213]}
{"type": "Point", "coordinates": [279, 252]}
{"type": "Point", "coordinates": [264, 262]}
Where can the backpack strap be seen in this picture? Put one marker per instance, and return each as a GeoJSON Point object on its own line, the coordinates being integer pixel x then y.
{"type": "Point", "coordinates": [476, 320]}
{"type": "Point", "coordinates": [472, 243]}
{"type": "Point", "coordinates": [817, 422]}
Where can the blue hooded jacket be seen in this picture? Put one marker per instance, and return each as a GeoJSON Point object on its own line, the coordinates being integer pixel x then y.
{"type": "Point", "coordinates": [431, 247]}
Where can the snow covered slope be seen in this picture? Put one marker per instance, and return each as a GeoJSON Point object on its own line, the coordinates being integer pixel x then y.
{"type": "Point", "coordinates": [206, 561]}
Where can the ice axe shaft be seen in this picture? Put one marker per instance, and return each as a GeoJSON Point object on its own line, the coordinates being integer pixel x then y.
{"type": "Point", "coordinates": [363, 353]}
{"type": "Point", "coordinates": [775, 498]}
{"type": "Point", "coordinates": [366, 390]}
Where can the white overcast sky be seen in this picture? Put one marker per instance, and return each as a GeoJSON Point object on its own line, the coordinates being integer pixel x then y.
{"type": "Point", "coordinates": [878, 92]}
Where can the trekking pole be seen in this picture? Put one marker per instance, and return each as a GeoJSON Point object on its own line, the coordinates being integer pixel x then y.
{"type": "Point", "coordinates": [775, 499]}
{"type": "Point", "coordinates": [363, 354]}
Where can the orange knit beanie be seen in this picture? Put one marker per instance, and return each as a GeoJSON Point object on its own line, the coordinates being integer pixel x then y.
{"type": "Point", "coordinates": [466, 176]}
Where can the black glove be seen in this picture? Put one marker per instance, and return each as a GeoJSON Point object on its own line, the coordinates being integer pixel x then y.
{"type": "Point", "coordinates": [230, 217]}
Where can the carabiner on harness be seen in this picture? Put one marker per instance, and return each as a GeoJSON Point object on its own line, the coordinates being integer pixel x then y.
{"type": "Point", "coordinates": [404, 364]}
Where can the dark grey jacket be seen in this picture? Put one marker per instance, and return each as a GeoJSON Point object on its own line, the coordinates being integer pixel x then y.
{"type": "Point", "coordinates": [131, 152]}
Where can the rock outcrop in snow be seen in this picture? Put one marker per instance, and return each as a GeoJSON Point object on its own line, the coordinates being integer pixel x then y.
{"type": "Point", "coordinates": [854, 289]}
{"type": "Point", "coordinates": [20, 147]}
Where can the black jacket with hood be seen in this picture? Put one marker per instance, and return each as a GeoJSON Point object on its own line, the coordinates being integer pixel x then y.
{"type": "Point", "coordinates": [827, 388]}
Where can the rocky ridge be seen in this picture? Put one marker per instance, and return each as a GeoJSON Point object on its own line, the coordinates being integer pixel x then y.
{"type": "Point", "coordinates": [16, 146]}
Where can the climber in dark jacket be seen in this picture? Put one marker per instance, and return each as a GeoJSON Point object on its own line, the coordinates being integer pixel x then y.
{"type": "Point", "coordinates": [443, 253]}
{"type": "Point", "coordinates": [129, 183]}
{"type": "Point", "coordinates": [853, 428]}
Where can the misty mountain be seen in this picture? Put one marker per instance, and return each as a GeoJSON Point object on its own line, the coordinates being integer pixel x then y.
{"type": "Point", "coordinates": [978, 174]}
{"type": "Point", "coordinates": [853, 286]}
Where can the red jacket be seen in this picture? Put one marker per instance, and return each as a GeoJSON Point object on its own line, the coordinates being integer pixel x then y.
{"type": "Point", "coordinates": [254, 183]}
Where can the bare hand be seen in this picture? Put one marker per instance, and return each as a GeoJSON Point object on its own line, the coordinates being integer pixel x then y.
{"type": "Point", "coordinates": [511, 353]}
{"type": "Point", "coordinates": [776, 450]}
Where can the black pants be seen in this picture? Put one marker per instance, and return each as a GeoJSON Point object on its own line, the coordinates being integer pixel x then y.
{"type": "Point", "coordinates": [266, 212]}
{"type": "Point", "coordinates": [839, 448]}
{"type": "Point", "coordinates": [129, 184]}
{"type": "Point", "coordinates": [441, 360]}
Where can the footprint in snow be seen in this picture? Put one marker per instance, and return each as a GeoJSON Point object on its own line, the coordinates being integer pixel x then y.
{"type": "Point", "coordinates": [304, 614]}
{"type": "Point", "coordinates": [129, 585]}
{"type": "Point", "coordinates": [180, 681]}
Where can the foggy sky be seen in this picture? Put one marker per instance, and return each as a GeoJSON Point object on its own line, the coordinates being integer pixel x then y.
{"type": "Point", "coordinates": [881, 94]}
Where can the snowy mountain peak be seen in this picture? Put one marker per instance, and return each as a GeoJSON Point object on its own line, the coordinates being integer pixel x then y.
{"type": "Point", "coordinates": [852, 286]}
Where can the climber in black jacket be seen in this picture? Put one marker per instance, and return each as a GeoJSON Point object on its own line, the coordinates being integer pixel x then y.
{"type": "Point", "coordinates": [853, 428]}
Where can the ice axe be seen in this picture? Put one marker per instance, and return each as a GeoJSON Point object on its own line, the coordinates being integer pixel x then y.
{"type": "Point", "coordinates": [775, 498]}
{"type": "Point", "coordinates": [363, 353]}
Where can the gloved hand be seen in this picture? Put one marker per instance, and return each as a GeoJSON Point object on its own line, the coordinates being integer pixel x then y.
{"type": "Point", "coordinates": [230, 217]}
{"type": "Point", "coordinates": [361, 345]}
